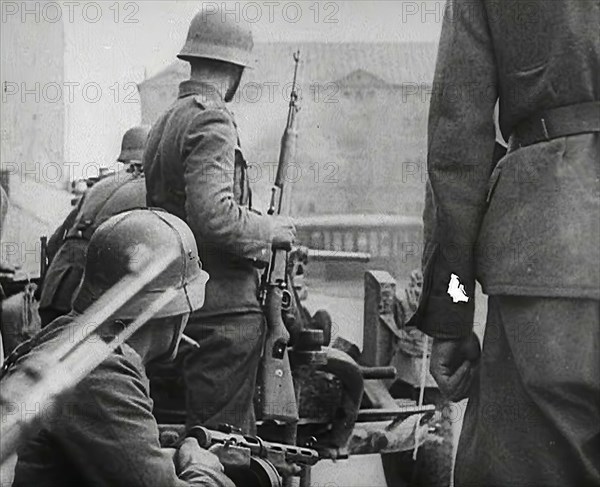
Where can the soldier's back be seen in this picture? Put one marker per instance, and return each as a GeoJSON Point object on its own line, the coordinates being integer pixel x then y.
{"type": "Point", "coordinates": [547, 55]}
{"type": "Point", "coordinates": [540, 234]}
{"type": "Point", "coordinates": [170, 142]}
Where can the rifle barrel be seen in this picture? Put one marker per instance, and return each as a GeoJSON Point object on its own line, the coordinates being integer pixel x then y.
{"type": "Point", "coordinates": [317, 255]}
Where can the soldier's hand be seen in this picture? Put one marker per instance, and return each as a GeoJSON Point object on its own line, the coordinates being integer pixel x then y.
{"type": "Point", "coordinates": [454, 364]}
{"type": "Point", "coordinates": [283, 232]}
{"type": "Point", "coordinates": [194, 464]}
{"type": "Point", "coordinates": [190, 453]}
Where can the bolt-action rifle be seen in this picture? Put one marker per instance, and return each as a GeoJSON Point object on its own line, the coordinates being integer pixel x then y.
{"type": "Point", "coordinates": [278, 400]}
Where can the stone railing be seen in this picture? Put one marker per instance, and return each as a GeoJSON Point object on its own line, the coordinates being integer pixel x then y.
{"type": "Point", "coordinates": [394, 242]}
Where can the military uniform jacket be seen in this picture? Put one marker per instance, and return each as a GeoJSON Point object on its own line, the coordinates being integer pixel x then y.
{"type": "Point", "coordinates": [111, 195]}
{"type": "Point", "coordinates": [102, 433]}
{"type": "Point", "coordinates": [195, 169]}
{"type": "Point", "coordinates": [528, 225]}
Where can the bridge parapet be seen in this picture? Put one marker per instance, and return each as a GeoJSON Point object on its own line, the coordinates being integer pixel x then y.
{"type": "Point", "coordinates": [394, 242]}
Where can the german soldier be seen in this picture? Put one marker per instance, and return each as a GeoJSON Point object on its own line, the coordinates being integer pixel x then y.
{"type": "Point", "coordinates": [117, 192]}
{"type": "Point", "coordinates": [527, 228]}
{"type": "Point", "coordinates": [102, 432]}
{"type": "Point", "coordinates": [195, 169]}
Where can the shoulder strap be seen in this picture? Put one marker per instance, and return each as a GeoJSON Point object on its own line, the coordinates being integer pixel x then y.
{"type": "Point", "coordinates": [95, 200]}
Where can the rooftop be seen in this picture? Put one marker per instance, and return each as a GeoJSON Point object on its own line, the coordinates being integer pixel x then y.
{"type": "Point", "coordinates": [391, 63]}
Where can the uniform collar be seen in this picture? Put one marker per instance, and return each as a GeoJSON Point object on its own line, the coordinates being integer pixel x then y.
{"type": "Point", "coordinates": [195, 87]}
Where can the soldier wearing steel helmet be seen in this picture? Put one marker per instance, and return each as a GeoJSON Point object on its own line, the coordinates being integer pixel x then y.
{"type": "Point", "coordinates": [102, 432]}
{"type": "Point", "coordinates": [132, 145]}
{"type": "Point", "coordinates": [195, 169]}
{"type": "Point", "coordinates": [114, 193]}
{"type": "Point", "coordinates": [527, 228]}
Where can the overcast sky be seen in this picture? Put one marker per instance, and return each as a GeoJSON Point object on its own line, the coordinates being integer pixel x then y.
{"type": "Point", "coordinates": [132, 40]}
{"type": "Point", "coordinates": [155, 40]}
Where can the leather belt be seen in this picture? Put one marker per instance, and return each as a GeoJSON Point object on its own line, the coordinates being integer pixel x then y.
{"type": "Point", "coordinates": [558, 122]}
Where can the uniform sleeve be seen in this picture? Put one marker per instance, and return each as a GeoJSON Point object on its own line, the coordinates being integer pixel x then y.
{"type": "Point", "coordinates": [461, 139]}
{"type": "Point", "coordinates": [106, 427]}
{"type": "Point", "coordinates": [213, 214]}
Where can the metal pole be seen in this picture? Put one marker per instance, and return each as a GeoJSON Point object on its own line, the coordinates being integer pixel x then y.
{"type": "Point", "coordinates": [422, 386]}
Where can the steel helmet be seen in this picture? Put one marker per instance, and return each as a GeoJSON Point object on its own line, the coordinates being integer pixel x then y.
{"type": "Point", "coordinates": [133, 143]}
{"type": "Point", "coordinates": [212, 35]}
{"type": "Point", "coordinates": [113, 194]}
{"type": "Point", "coordinates": [124, 241]}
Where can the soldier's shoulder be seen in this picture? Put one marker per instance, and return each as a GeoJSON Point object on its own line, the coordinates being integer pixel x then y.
{"type": "Point", "coordinates": [109, 180]}
{"type": "Point", "coordinates": [211, 111]}
{"type": "Point", "coordinates": [124, 365]}
{"type": "Point", "coordinates": [100, 188]}
{"type": "Point", "coordinates": [206, 101]}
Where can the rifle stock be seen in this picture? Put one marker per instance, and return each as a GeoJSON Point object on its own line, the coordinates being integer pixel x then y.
{"type": "Point", "coordinates": [279, 398]}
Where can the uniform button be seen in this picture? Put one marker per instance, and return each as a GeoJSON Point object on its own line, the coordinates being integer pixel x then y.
{"type": "Point", "coordinates": [529, 270]}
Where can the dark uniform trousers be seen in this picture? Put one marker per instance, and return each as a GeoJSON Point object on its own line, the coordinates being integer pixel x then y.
{"type": "Point", "coordinates": [222, 374]}
{"type": "Point", "coordinates": [533, 417]}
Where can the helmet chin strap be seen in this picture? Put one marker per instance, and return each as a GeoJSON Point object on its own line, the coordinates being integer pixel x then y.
{"type": "Point", "coordinates": [171, 353]}
{"type": "Point", "coordinates": [233, 88]}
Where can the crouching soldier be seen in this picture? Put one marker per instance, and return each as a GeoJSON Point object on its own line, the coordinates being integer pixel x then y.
{"type": "Point", "coordinates": [102, 432]}
{"type": "Point", "coordinates": [123, 190]}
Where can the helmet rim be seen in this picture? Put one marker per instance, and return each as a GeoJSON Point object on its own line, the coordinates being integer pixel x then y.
{"type": "Point", "coordinates": [109, 259]}
{"type": "Point", "coordinates": [210, 37]}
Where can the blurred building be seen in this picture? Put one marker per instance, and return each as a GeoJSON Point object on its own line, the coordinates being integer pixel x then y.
{"type": "Point", "coordinates": [33, 134]}
{"type": "Point", "coordinates": [363, 122]}
{"type": "Point", "coordinates": [63, 113]}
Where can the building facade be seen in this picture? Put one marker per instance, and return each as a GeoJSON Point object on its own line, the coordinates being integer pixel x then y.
{"type": "Point", "coordinates": [363, 119]}
{"type": "Point", "coordinates": [66, 101]}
